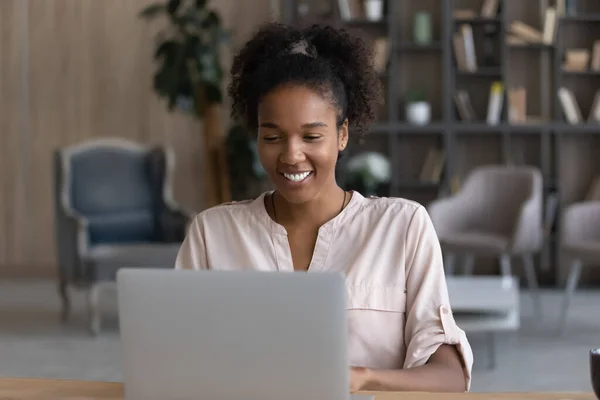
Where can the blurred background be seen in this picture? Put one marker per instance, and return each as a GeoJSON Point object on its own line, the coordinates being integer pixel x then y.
{"type": "Point", "coordinates": [115, 131]}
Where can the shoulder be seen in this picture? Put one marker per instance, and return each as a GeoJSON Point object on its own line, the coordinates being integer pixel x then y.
{"type": "Point", "coordinates": [396, 207]}
{"type": "Point", "coordinates": [232, 211]}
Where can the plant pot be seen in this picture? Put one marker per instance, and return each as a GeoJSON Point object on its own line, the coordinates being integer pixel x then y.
{"type": "Point", "coordinates": [418, 113]}
{"type": "Point", "coordinates": [374, 10]}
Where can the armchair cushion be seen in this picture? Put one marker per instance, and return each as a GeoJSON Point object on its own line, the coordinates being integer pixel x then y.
{"type": "Point", "coordinates": [105, 260]}
{"type": "Point", "coordinates": [475, 242]}
{"type": "Point", "coordinates": [122, 227]}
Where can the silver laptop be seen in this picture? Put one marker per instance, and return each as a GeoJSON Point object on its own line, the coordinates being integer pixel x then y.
{"type": "Point", "coordinates": [233, 335]}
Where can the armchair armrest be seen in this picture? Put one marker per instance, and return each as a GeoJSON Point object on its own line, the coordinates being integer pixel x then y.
{"type": "Point", "coordinates": [529, 232]}
{"type": "Point", "coordinates": [449, 215]}
{"type": "Point", "coordinates": [581, 221]}
{"type": "Point", "coordinates": [73, 239]}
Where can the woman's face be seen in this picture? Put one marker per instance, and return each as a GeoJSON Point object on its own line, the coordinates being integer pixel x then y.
{"type": "Point", "coordinates": [298, 141]}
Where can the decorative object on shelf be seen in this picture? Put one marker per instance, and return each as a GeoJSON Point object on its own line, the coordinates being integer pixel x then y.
{"type": "Point", "coordinates": [577, 60]}
{"type": "Point", "coordinates": [190, 76]}
{"type": "Point", "coordinates": [374, 10]}
{"type": "Point", "coordinates": [366, 171]}
{"type": "Point", "coordinates": [418, 109]}
{"type": "Point", "coordinates": [422, 30]}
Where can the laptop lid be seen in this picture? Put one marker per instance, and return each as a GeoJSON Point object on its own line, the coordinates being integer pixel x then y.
{"type": "Point", "coordinates": [227, 335]}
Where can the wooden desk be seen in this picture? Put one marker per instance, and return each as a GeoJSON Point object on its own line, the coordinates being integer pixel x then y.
{"type": "Point", "coordinates": [47, 389]}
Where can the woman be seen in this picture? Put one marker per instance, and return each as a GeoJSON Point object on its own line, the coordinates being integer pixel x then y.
{"type": "Point", "coordinates": [302, 90]}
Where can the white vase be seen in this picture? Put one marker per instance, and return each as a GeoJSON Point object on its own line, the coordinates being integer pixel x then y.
{"type": "Point", "coordinates": [418, 113]}
{"type": "Point", "coordinates": [374, 10]}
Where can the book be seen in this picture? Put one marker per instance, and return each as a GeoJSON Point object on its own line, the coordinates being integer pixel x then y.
{"type": "Point", "coordinates": [550, 21]}
{"type": "Point", "coordinates": [459, 52]}
{"type": "Point", "coordinates": [569, 106]}
{"type": "Point", "coordinates": [595, 64]}
{"type": "Point", "coordinates": [595, 110]}
{"type": "Point", "coordinates": [464, 107]}
{"type": "Point", "coordinates": [489, 8]}
{"type": "Point", "coordinates": [526, 32]}
{"type": "Point", "coordinates": [495, 103]}
{"type": "Point", "coordinates": [517, 105]}
{"type": "Point", "coordinates": [469, 41]}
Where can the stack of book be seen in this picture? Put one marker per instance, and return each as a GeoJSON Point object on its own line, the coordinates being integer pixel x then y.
{"type": "Point", "coordinates": [522, 34]}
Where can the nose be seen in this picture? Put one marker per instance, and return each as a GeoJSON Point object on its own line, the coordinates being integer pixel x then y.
{"type": "Point", "coordinates": [293, 153]}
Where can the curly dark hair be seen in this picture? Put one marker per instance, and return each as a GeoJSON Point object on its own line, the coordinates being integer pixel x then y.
{"type": "Point", "coordinates": [331, 61]}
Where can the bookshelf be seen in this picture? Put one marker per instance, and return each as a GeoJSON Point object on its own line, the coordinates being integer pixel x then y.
{"type": "Point", "coordinates": [531, 125]}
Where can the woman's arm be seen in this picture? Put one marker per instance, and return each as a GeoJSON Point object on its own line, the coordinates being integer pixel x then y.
{"type": "Point", "coordinates": [438, 355]}
{"type": "Point", "coordinates": [443, 373]}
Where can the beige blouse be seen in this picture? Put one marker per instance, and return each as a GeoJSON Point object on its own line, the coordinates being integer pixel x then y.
{"type": "Point", "coordinates": [398, 307]}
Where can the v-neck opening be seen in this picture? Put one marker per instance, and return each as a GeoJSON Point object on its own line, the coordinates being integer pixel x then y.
{"type": "Point", "coordinates": [280, 238]}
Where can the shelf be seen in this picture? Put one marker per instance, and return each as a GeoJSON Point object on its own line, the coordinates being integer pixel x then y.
{"type": "Point", "coordinates": [406, 128]}
{"type": "Point", "coordinates": [581, 128]}
{"type": "Point", "coordinates": [531, 46]}
{"type": "Point", "coordinates": [529, 128]}
{"type": "Point", "coordinates": [477, 128]}
{"type": "Point", "coordinates": [414, 47]}
{"type": "Point", "coordinates": [365, 23]}
{"type": "Point", "coordinates": [482, 72]}
{"type": "Point", "coordinates": [589, 18]}
{"type": "Point", "coordinates": [478, 21]}
{"type": "Point", "coordinates": [581, 73]}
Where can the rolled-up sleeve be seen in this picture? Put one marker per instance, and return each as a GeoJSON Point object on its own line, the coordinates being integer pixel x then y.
{"type": "Point", "coordinates": [192, 253]}
{"type": "Point", "coordinates": [429, 319]}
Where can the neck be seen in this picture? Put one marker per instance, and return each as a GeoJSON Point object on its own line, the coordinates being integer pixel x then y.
{"type": "Point", "coordinates": [316, 212]}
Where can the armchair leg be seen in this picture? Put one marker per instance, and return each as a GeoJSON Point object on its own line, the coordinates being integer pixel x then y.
{"type": "Point", "coordinates": [572, 281]}
{"type": "Point", "coordinates": [449, 262]}
{"type": "Point", "coordinates": [529, 266]}
{"type": "Point", "coordinates": [469, 264]}
{"type": "Point", "coordinates": [63, 291]}
{"type": "Point", "coordinates": [93, 308]}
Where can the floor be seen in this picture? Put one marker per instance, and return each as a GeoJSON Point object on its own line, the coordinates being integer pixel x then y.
{"type": "Point", "coordinates": [34, 344]}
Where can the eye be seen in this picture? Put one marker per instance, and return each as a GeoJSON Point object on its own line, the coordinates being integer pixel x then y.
{"type": "Point", "coordinates": [313, 137]}
{"type": "Point", "coordinates": [271, 138]}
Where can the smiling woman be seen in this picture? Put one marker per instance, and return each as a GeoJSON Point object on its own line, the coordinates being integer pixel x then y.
{"type": "Point", "coordinates": [302, 91]}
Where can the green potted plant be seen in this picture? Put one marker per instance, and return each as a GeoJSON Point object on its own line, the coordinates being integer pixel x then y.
{"type": "Point", "coordinates": [189, 77]}
{"type": "Point", "coordinates": [367, 171]}
{"type": "Point", "coordinates": [189, 74]}
{"type": "Point", "coordinates": [418, 109]}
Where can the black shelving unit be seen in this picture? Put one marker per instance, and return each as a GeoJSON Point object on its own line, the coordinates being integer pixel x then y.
{"type": "Point", "coordinates": [550, 144]}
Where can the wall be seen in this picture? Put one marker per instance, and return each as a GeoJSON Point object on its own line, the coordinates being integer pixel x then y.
{"type": "Point", "coordinates": [73, 70]}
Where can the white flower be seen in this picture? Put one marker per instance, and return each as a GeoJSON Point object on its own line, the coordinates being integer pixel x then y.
{"type": "Point", "coordinates": [372, 163]}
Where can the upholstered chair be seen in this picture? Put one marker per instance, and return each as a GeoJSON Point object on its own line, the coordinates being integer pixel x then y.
{"type": "Point", "coordinates": [497, 213]}
{"type": "Point", "coordinates": [114, 209]}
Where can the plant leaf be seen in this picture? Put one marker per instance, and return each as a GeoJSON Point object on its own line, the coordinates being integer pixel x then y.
{"type": "Point", "coordinates": [172, 6]}
{"type": "Point", "coordinates": [200, 4]}
{"type": "Point", "coordinates": [212, 20]}
{"type": "Point", "coordinates": [152, 11]}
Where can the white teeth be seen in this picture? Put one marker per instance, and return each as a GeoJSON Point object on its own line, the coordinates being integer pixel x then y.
{"type": "Point", "coordinates": [297, 177]}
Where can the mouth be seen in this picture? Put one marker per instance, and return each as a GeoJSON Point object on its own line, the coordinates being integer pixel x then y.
{"type": "Point", "coordinates": [298, 177]}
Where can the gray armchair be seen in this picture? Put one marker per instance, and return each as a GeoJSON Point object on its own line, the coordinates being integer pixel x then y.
{"type": "Point", "coordinates": [497, 213]}
{"type": "Point", "coordinates": [580, 242]}
{"type": "Point", "coordinates": [114, 208]}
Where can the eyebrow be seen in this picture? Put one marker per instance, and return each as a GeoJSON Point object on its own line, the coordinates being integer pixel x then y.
{"type": "Point", "coordinates": [305, 126]}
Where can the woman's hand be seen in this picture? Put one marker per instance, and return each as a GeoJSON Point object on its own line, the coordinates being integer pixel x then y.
{"type": "Point", "coordinates": [359, 377]}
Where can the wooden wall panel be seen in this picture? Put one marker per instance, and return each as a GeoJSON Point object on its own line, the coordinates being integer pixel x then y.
{"type": "Point", "coordinates": [12, 171]}
{"type": "Point", "coordinates": [90, 75]}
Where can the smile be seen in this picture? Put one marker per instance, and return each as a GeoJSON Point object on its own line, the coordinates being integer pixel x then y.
{"type": "Point", "coordinates": [297, 177]}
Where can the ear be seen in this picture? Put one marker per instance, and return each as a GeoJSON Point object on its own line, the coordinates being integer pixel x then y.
{"type": "Point", "coordinates": [343, 136]}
